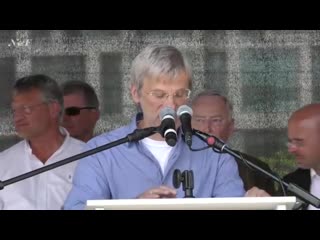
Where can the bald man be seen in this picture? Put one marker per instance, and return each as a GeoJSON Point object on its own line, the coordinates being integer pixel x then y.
{"type": "Point", "coordinates": [304, 144]}
{"type": "Point", "coordinates": [212, 114]}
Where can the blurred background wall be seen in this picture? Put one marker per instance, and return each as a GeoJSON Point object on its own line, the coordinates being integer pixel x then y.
{"type": "Point", "coordinates": [265, 74]}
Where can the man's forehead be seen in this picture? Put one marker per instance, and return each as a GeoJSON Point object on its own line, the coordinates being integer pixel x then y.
{"type": "Point", "coordinates": [77, 97]}
{"type": "Point", "coordinates": [210, 100]}
{"type": "Point", "coordinates": [304, 126]}
{"type": "Point", "coordinates": [210, 103]}
{"type": "Point", "coordinates": [30, 94]}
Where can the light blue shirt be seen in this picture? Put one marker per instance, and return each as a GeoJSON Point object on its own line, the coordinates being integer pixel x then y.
{"type": "Point", "coordinates": [128, 170]}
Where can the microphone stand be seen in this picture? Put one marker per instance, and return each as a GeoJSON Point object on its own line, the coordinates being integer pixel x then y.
{"type": "Point", "coordinates": [216, 143]}
{"type": "Point", "coordinates": [136, 135]}
{"type": "Point", "coordinates": [186, 178]}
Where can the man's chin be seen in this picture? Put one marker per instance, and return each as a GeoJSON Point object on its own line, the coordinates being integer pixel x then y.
{"type": "Point", "coordinates": [22, 134]}
{"type": "Point", "coordinates": [302, 165]}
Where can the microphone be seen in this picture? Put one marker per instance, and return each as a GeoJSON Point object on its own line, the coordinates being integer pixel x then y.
{"type": "Point", "coordinates": [168, 126]}
{"type": "Point", "coordinates": [139, 134]}
{"type": "Point", "coordinates": [185, 112]}
{"type": "Point", "coordinates": [215, 142]}
{"type": "Point", "coordinates": [212, 141]}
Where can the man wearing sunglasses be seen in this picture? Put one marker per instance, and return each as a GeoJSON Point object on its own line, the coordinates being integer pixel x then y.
{"type": "Point", "coordinates": [37, 106]}
{"type": "Point", "coordinates": [161, 78]}
{"type": "Point", "coordinates": [81, 109]}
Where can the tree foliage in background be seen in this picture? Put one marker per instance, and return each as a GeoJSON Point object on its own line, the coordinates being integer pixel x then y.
{"type": "Point", "coordinates": [281, 162]}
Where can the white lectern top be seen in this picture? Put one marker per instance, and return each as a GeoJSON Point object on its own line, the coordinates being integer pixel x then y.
{"type": "Point", "coordinates": [236, 203]}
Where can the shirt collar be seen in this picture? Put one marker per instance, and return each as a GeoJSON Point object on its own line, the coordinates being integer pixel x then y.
{"type": "Point", "coordinates": [313, 173]}
{"type": "Point", "coordinates": [63, 131]}
{"type": "Point", "coordinates": [138, 117]}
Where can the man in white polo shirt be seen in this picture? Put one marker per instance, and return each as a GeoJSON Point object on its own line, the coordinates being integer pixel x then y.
{"type": "Point", "coordinates": [37, 106]}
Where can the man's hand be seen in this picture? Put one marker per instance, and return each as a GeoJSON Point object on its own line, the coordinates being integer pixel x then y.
{"type": "Point", "coordinates": [256, 192]}
{"type": "Point", "coordinates": [160, 192]}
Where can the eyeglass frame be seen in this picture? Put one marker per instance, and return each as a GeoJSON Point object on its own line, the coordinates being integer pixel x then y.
{"type": "Point", "coordinates": [215, 121]}
{"type": "Point", "coordinates": [295, 143]}
{"type": "Point", "coordinates": [77, 109]}
{"type": "Point", "coordinates": [28, 109]}
{"type": "Point", "coordinates": [166, 95]}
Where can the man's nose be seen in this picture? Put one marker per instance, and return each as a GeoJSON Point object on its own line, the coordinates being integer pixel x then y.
{"type": "Point", "coordinates": [18, 115]}
{"type": "Point", "coordinates": [209, 125]}
{"type": "Point", "coordinates": [170, 102]}
{"type": "Point", "coordinates": [292, 148]}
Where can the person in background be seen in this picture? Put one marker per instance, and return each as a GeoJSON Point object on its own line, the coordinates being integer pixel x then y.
{"type": "Point", "coordinates": [212, 114]}
{"type": "Point", "coordinates": [81, 109]}
{"type": "Point", "coordinates": [304, 139]}
{"type": "Point", "coordinates": [161, 78]}
{"type": "Point", "coordinates": [37, 106]}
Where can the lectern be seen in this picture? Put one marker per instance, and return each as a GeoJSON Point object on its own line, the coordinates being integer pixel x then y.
{"type": "Point", "coordinates": [239, 203]}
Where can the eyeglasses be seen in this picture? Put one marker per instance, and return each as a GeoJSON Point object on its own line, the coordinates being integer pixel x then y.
{"type": "Point", "coordinates": [162, 96]}
{"type": "Point", "coordinates": [27, 109]}
{"type": "Point", "coordinates": [74, 111]}
{"type": "Point", "coordinates": [213, 121]}
{"type": "Point", "coordinates": [295, 143]}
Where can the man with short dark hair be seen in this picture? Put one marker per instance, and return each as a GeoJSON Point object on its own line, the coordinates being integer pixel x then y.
{"type": "Point", "coordinates": [81, 109]}
{"type": "Point", "coordinates": [37, 106]}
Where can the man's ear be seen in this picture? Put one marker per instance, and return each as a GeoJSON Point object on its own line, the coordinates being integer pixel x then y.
{"type": "Point", "coordinates": [135, 94]}
{"type": "Point", "coordinates": [54, 108]}
{"type": "Point", "coordinates": [231, 127]}
{"type": "Point", "coordinates": [95, 115]}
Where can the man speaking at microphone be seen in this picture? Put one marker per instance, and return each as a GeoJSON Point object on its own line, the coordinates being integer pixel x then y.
{"type": "Point", "coordinates": [161, 82]}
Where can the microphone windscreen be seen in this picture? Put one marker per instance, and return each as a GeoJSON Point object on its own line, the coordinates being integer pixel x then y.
{"type": "Point", "coordinates": [184, 109]}
{"type": "Point", "coordinates": [166, 111]}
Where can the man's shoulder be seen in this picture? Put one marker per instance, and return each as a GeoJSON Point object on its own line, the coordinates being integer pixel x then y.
{"type": "Point", "coordinates": [254, 160]}
{"type": "Point", "coordinates": [297, 174]}
{"type": "Point", "coordinates": [10, 157]}
{"type": "Point", "coordinates": [112, 135]}
{"type": "Point", "coordinates": [300, 177]}
{"type": "Point", "coordinates": [76, 142]}
{"type": "Point", "coordinates": [73, 145]}
{"type": "Point", "coordinates": [13, 149]}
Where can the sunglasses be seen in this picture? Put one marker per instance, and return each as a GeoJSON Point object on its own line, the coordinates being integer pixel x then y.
{"type": "Point", "coordinates": [74, 111]}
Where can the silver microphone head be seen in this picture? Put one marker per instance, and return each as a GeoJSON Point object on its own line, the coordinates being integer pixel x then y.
{"type": "Point", "coordinates": [167, 127]}
{"type": "Point", "coordinates": [184, 109]}
{"type": "Point", "coordinates": [167, 112]}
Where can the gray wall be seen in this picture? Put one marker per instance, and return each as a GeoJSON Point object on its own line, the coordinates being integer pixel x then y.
{"type": "Point", "coordinates": [266, 74]}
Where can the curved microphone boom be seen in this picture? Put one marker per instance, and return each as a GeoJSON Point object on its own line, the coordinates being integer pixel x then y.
{"type": "Point", "coordinates": [212, 141]}
{"type": "Point", "coordinates": [216, 143]}
{"type": "Point", "coordinates": [168, 126]}
{"type": "Point", "coordinates": [184, 113]}
{"type": "Point", "coordinates": [136, 135]}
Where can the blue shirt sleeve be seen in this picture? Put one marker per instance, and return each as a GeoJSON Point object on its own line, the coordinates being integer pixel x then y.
{"type": "Point", "coordinates": [228, 182]}
{"type": "Point", "coordinates": [89, 183]}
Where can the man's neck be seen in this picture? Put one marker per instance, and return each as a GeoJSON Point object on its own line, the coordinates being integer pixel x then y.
{"type": "Point", "coordinates": [317, 170]}
{"type": "Point", "coordinates": [157, 136]}
{"type": "Point", "coordinates": [86, 138]}
{"type": "Point", "coordinates": [43, 147]}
